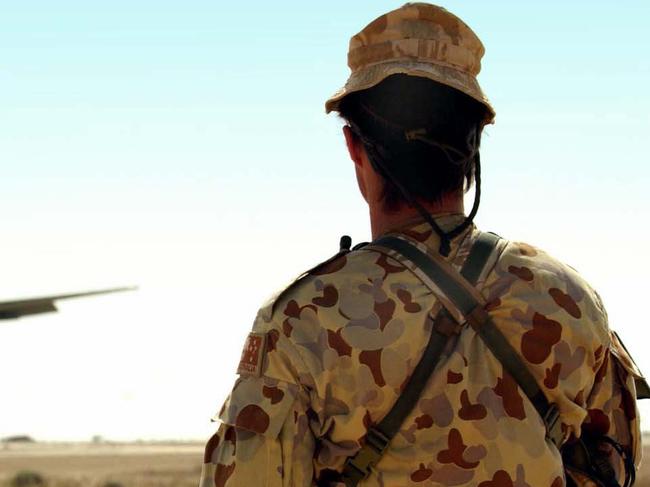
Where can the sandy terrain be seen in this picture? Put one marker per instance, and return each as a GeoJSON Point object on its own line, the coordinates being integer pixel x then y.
{"type": "Point", "coordinates": [131, 465]}
{"type": "Point", "coordinates": [93, 465]}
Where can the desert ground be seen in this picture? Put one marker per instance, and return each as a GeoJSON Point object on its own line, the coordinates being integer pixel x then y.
{"type": "Point", "coordinates": [124, 465]}
{"type": "Point", "coordinates": [103, 465]}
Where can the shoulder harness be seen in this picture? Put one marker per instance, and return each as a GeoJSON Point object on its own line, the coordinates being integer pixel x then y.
{"type": "Point", "coordinates": [461, 303]}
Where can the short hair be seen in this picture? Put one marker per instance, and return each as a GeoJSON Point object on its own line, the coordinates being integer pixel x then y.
{"type": "Point", "coordinates": [382, 114]}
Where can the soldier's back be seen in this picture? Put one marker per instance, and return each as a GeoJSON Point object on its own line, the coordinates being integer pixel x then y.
{"type": "Point", "coordinates": [341, 342]}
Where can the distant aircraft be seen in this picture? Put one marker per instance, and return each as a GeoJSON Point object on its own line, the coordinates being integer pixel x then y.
{"type": "Point", "coordinates": [10, 310]}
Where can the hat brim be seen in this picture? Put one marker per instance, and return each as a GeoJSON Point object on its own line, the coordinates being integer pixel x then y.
{"type": "Point", "coordinates": [371, 75]}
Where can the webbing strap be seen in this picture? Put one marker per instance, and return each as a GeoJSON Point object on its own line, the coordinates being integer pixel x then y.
{"type": "Point", "coordinates": [443, 327]}
{"type": "Point", "coordinates": [440, 275]}
{"type": "Point", "coordinates": [392, 422]}
{"type": "Point", "coordinates": [454, 286]}
{"type": "Point", "coordinates": [378, 437]}
{"type": "Point", "coordinates": [478, 257]}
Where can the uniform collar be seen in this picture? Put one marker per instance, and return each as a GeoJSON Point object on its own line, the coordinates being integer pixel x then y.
{"type": "Point", "coordinates": [418, 229]}
{"type": "Point", "coordinates": [447, 221]}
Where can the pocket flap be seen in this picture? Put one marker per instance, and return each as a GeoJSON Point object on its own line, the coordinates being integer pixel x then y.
{"type": "Point", "coordinates": [619, 350]}
{"type": "Point", "coordinates": [258, 404]}
{"type": "Point", "coordinates": [625, 359]}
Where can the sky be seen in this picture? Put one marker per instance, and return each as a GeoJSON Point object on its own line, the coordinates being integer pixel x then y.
{"type": "Point", "coordinates": [183, 147]}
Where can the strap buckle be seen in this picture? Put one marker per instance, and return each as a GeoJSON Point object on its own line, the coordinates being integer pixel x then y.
{"type": "Point", "coordinates": [553, 425]}
{"type": "Point", "coordinates": [358, 467]}
{"type": "Point", "coordinates": [446, 325]}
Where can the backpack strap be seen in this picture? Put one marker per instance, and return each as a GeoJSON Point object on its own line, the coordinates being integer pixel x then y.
{"type": "Point", "coordinates": [443, 328]}
{"type": "Point", "coordinates": [469, 303]}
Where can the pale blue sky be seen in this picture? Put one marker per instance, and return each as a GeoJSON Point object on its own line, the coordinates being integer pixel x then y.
{"type": "Point", "coordinates": [183, 147]}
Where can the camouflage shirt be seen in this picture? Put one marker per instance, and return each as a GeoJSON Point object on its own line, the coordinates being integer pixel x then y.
{"type": "Point", "coordinates": [328, 356]}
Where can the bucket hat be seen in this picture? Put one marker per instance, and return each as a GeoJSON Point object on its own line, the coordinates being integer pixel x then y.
{"type": "Point", "coordinates": [417, 39]}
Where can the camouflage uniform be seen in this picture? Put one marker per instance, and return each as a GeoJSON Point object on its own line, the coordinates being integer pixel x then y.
{"type": "Point", "coordinates": [328, 356]}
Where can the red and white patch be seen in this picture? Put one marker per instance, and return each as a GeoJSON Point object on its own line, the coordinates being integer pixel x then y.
{"type": "Point", "coordinates": [252, 356]}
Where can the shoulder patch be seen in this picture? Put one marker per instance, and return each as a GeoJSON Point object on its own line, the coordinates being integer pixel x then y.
{"type": "Point", "coordinates": [252, 357]}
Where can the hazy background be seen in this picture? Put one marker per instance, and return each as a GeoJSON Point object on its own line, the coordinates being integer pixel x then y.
{"type": "Point", "coordinates": [183, 147]}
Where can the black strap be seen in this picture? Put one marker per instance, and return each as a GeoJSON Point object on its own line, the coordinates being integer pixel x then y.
{"type": "Point", "coordinates": [478, 256]}
{"type": "Point", "coordinates": [451, 284]}
{"type": "Point", "coordinates": [378, 437]}
{"type": "Point", "coordinates": [453, 289]}
{"type": "Point", "coordinates": [443, 328]}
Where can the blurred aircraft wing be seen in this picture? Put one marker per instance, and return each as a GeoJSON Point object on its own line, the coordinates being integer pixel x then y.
{"type": "Point", "coordinates": [15, 309]}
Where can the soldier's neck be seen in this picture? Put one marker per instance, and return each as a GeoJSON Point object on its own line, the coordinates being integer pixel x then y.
{"type": "Point", "coordinates": [382, 221]}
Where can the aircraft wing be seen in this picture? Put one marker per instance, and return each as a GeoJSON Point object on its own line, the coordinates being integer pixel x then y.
{"type": "Point", "coordinates": [15, 309]}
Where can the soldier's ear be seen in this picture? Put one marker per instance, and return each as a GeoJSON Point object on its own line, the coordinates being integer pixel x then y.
{"type": "Point", "coordinates": [356, 150]}
{"type": "Point", "coordinates": [354, 145]}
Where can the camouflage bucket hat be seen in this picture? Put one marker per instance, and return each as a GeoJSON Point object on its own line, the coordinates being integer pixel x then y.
{"type": "Point", "coordinates": [418, 39]}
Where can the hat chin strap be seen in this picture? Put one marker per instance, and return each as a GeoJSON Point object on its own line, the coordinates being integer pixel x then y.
{"type": "Point", "coordinates": [374, 151]}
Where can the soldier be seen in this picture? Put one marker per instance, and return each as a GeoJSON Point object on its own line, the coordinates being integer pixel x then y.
{"type": "Point", "coordinates": [329, 356]}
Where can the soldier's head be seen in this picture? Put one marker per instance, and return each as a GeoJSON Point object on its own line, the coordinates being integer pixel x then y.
{"type": "Point", "coordinates": [419, 132]}
{"type": "Point", "coordinates": [412, 104]}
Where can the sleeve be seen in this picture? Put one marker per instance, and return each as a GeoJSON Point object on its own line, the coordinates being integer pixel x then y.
{"type": "Point", "coordinates": [265, 437]}
{"type": "Point", "coordinates": [611, 405]}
